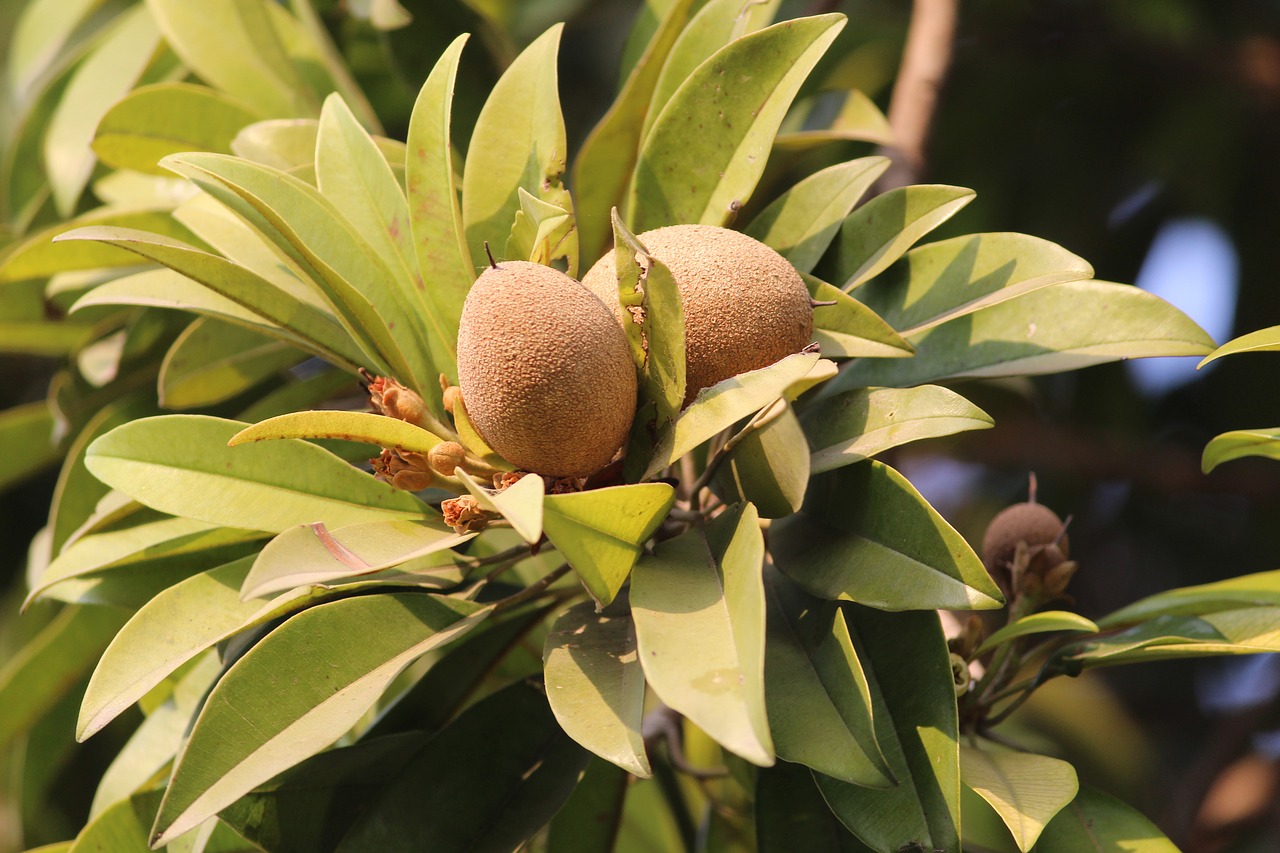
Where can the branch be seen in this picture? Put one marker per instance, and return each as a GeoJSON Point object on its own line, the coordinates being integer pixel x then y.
{"type": "Point", "coordinates": [925, 60]}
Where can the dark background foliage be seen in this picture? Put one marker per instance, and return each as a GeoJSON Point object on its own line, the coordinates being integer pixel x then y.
{"type": "Point", "coordinates": [1094, 125]}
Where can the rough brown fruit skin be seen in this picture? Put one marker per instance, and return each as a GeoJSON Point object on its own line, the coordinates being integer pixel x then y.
{"type": "Point", "coordinates": [1032, 523]}
{"type": "Point", "coordinates": [545, 369]}
{"type": "Point", "coordinates": [745, 306]}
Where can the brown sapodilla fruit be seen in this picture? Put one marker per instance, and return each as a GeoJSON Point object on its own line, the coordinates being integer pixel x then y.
{"type": "Point", "coordinates": [1029, 522]}
{"type": "Point", "coordinates": [745, 306]}
{"type": "Point", "coordinates": [545, 370]}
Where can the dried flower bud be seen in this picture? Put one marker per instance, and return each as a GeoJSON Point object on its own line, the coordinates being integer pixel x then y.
{"type": "Point", "coordinates": [403, 469]}
{"type": "Point", "coordinates": [446, 456]}
{"type": "Point", "coordinates": [388, 397]}
{"type": "Point", "coordinates": [506, 479]}
{"type": "Point", "coordinates": [451, 396]}
{"type": "Point", "coordinates": [465, 515]}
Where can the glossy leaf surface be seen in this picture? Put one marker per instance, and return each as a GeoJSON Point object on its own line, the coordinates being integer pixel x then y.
{"type": "Point", "coordinates": [1025, 789]}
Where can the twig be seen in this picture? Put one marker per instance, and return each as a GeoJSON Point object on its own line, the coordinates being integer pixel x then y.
{"type": "Point", "coordinates": [925, 60]}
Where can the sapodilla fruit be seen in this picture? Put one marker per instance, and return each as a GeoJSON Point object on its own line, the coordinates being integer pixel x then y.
{"type": "Point", "coordinates": [1029, 522]}
{"type": "Point", "coordinates": [745, 306]}
{"type": "Point", "coordinates": [545, 370]}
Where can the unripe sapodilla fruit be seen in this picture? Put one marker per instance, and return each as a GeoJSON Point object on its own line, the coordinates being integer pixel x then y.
{"type": "Point", "coordinates": [545, 369]}
{"type": "Point", "coordinates": [745, 306]}
{"type": "Point", "coordinates": [1029, 522]}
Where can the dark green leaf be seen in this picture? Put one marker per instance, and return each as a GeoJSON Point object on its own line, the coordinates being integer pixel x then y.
{"type": "Point", "coordinates": [866, 535]}
{"type": "Point", "coordinates": [791, 815]}
{"type": "Point", "coordinates": [26, 433]}
{"type": "Point", "coordinates": [1097, 823]}
{"type": "Point", "coordinates": [768, 465]}
{"type": "Point", "coordinates": [486, 783]}
{"type": "Point", "coordinates": [590, 819]}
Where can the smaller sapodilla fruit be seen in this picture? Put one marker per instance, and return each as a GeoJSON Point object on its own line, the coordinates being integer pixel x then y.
{"type": "Point", "coordinates": [1029, 522]}
{"type": "Point", "coordinates": [745, 306]}
{"type": "Point", "coordinates": [545, 369]}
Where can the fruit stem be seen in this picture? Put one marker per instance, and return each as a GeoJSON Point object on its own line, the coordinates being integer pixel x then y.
{"type": "Point", "coordinates": [492, 263]}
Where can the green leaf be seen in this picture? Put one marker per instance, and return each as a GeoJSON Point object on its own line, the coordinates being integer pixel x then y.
{"type": "Point", "coordinates": [212, 361]}
{"type": "Point", "coordinates": [154, 743]}
{"type": "Point", "coordinates": [856, 425]}
{"type": "Point", "coordinates": [52, 664]}
{"type": "Point", "coordinates": [1052, 330]}
{"type": "Point", "coordinates": [866, 535]}
{"type": "Point", "coordinates": [909, 671]}
{"type": "Point", "coordinates": [171, 629]}
{"type": "Point", "coordinates": [40, 257]}
{"type": "Point", "coordinates": [595, 685]}
{"type": "Point", "coordinates": [1240, 443]}
{"type": "Point", "coordinates": [818, 699]}
{"type": "Point", "coordinates": [1253, 590]}
{"type": "Point", "coordinates": [715, 25]}
{"type": "Point", "coordinates": [604, 164]}
{"type": "Point", "coordinates": [310, 230]}
{"type": "Point", "coordinates": [122, 828]}
{"type": "Point", "coordinates": [148, 540]}
{"type": "Point", "coordinates": [1038, 623]}
{"type": "Point", "coordinates": [26, 433]}
{"type": "Point", "coordinates": [45, 35]}
{"type": "Point", "coordinates": [724, 404]}
{"type": "Point", "coordinates": [859, 120]}
{"type": "Point", "coordinates": [154, 121]}
{"type": "Point", "coordinates": [1096, 823]}
{"type": "Point", "coordinates": [883, 229]}
{"type": "Point", "coordinates": [244, 736]}
{"type": "Point", "coordinates": [703, 590]}
{"type": "Point", "coordinates": [488, 781]}
{"type": "Point", "coordinates": [801, 222]}
{"type": "Point", "coordinates": [365, 427]}
{"type": "Point", "coordinates": [310, 554]}
{"type": "Point", "coordinates": [951, 278]}
{"type": "Point", "coordinates": [708, 147]}
{"type": "Point", "coordinates": [181, 464]}
{"type": "Point", "coordinates": [767, 464]}
{"type": "Point", "coordinates": [1242, 631]}
{"type": "Point", "coordinates": [591, 819]}
{"type": "Point", "coordinates": [848, 329]}
{"type": "Point", "coordinates": [520, 503]}
{"type": "Point", "coordinates": [1025, 789]}
{"type": "Point", "coordinates": [1263, 340]}
{"type": "Point", "coordinates": [540, 230]}
{"type": "Point", "coordinates": [656, 330]}
{"type": "Point", "coordinates": [434, 212]}
{"type": "Point", "coordinates": [246, 48]}
{"type": "Point", "coordinates": [791, 815]}
{"type": "Point", "coordinates": [354, 176]}
{"type": "Point", "coordinates": [601, 533]}
{"type": "Point", "coordinates": [105, 76]}
{"type": "Point", "coordinates": [45, 339]}
{"type": "Point", "coordinates": [312, 329]}
{"type": "Point", "coordinates": [518, 141]}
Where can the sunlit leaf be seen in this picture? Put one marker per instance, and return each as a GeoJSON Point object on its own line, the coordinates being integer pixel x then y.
{"type": "Point", "coordinates": [165, 118]}
{"type": "Point", "coordinates": [434, 212]}
{"type": "Point", "coordinates": [866, 535]}
{"type": "Point", "coordinates": [311, 554]}
{"type": "Point", "coordinates": [1241, 631]}
{"type": "Point", "coordinates": [122, 828]}
{"type": "Point", "coordinates": [45, 33]}
{"type": "Point", "coordinates": [365, 427]}
{"type": "Point", "coordinates": [181, 464]}
{"type": "Point", "coordinates": [521, 503]}
{"type": "Point", "coordinates": [1053, 329]}
{"type": "Point", "coordinates": [1253, 590]}
{"type": "Point", "coordinates": [211, 362]}
{"type": "Point", "coordinates": [1024, 788]}
{"type": "Point", "coordinates": [707, 149]}
{"type": "Point", "coordinates": [845, 328]}
{"type": "Point", "coordinates": [260, 734]}
{"type": "Point", "coordinates": [1038, 623]}
{"type": "Point", "coordinates": [723, 404]}
{"type": "Point", "coordinates": [105, 76]}
{"type": "Point", "coordinates": [944, 280]}
{"type": "Point", "coordinates": [703, 590]}
{"type": "Point", "coordinates": [909, 670]}
{"type": "Point", "coordinates": [801, 223]}
{"type": "Point", "coordinates": [605, 162]}
{"type": "Point", "coordinates": [40, 257]}
{"type": "Point", "coordinates": [595, 684]}
{"type": "Point", "coordinates": [859, 120]}
{"type": "Point", "coordinates": [602, 532]}
{"type": "Point", "coordinates": [1096, 823]}
{"type": "Point", "coordinates": [1263, 340]}
{"type": "Point", "coordinates": [856, 425]}
{"type": "Point", "coordinates": [518, 141]}
{"type": "Point", "coordinates": [883, 229]}
{"type": "Point", "coordinates": [1238, 444]}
